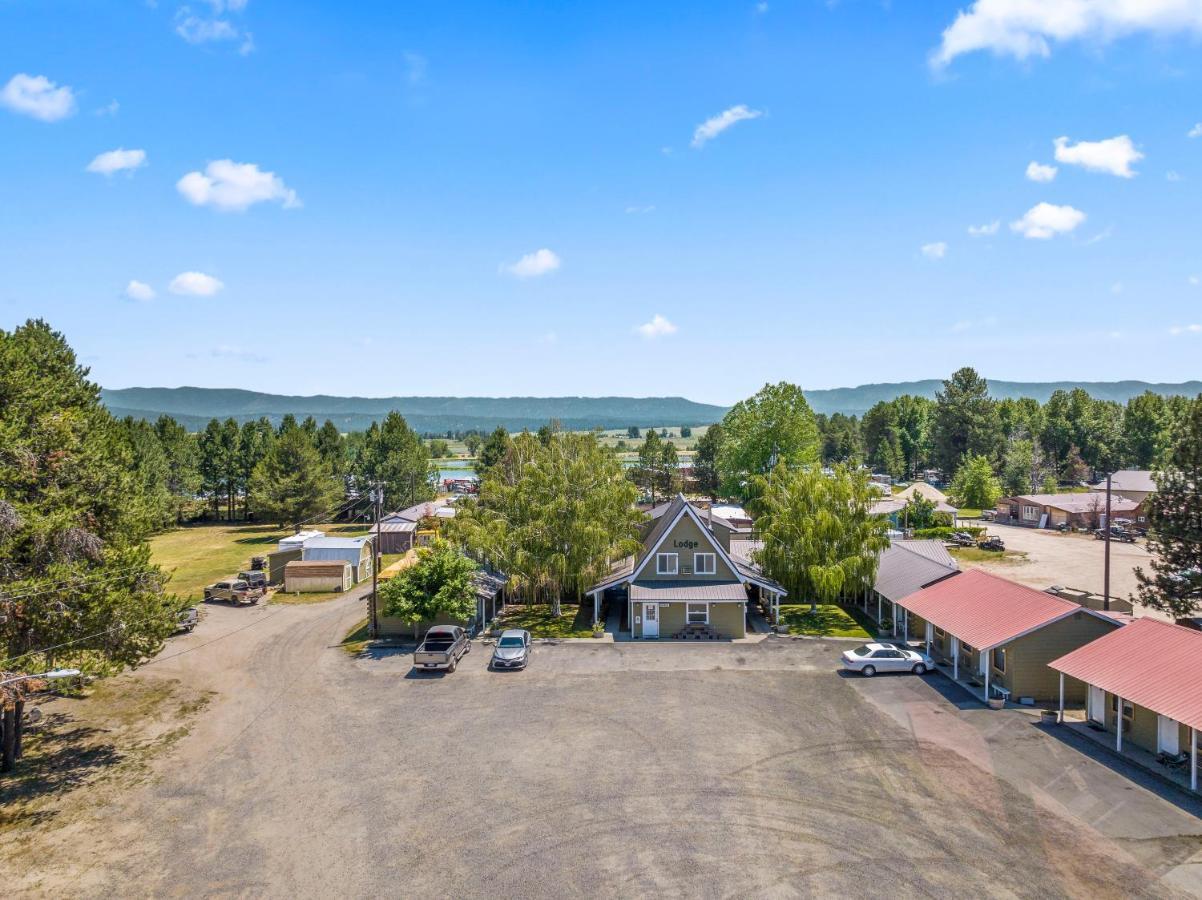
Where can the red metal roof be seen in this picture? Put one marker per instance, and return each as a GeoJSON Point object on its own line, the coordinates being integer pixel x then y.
{"type": "Point", "coordinates": [1148, 662]}
{"type": "Point", "coordinates": [984, 611]}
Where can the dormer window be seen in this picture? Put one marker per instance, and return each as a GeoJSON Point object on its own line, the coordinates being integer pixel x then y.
{"type": "Point", "coordinates": [667, 563]}
{"type": "Point", "coordinates": [705, 563]}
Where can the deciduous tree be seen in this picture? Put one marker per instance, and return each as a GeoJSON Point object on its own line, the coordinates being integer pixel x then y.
{"type": "Point", "coordinates": [774, 426]}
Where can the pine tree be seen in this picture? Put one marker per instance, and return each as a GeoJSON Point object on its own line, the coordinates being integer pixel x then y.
{"type": "Point", "coordinates": [1175, 517]}
{"type": "Point", "coordinates": [291, 484]}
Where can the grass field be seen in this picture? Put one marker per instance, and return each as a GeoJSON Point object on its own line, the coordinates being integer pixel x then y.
{"type": "Point", "coordinates": [573, 622]}
{"type": "Point", "coordinates": [198, 555]}
{"type": "Point", "coordinates": [829, 621]}
{"type": "Point", "coordinates": [976, 555]}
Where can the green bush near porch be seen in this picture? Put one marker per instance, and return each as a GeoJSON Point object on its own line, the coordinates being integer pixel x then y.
{"type": "Point", "coordinates": [574, 621]}
{"type": "Point", "coordinates": [829, 621]}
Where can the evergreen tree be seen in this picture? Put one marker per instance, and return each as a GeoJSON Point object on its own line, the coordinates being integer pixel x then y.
{"type": "Point", "coordinates": [75, 568]}
{"type": "Point", "coordinates": [291, 484]}
{"type": "Point", "coordinates": [494, 449]}
{"type": "Point", "coordinates": [965, 421]}
{"type": "Point", "coordinates": [705, 461]}
{"type": "Point", "coordinates": [1145, 432]}
{"type": "Point", "coordinates": [393, 455]}
{"type": "Point", "coordinates": [1174, 585]}
{"type": "Point", "coordinates": [254, 441]}
{"type": "Point", "coordinates": [153, 504]}
{"type": "Point", "coordinates": [331, 447]}
{"type": "Point", "coordinates": [183, 475]}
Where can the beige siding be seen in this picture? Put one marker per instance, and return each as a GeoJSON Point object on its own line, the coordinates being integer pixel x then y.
{"type": "Point", "coordinates": [686, 539]}
{"type": "Point", "coordinates": [1027, 658]}
{"type": "Point", "coordinates": [313, 584]}
{"type": "Point", "coordinates": [729, 619]}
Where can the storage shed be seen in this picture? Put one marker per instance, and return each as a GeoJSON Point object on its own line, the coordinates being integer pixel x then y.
{"type": "Point", "coordinates": [302, 577]}
{"type": "Point", "coordinates": [356, 551]}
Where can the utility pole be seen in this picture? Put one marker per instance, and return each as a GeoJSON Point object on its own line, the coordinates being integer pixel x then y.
{"type": "Point", "coordinates": [1106, 574]}
{"type": "Point", "coordinates": [377, 495]}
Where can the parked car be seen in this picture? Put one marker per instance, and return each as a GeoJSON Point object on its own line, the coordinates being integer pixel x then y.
{"type": "Point", "coordinates": [443, 647]}
{"type": "Point", "coordinates": [255, 578]}
{"type": "Point", "coordinates": [995, 544]}
{"type": "Point", "coordinates": [988, 515]}
{"type": "Point", "coordinates": [187, 619]}
{"type": "Point", "coordinates": [872, 658]}
{"type": "Point", "coordinates": [233, 590]}
{"type": "Point", "coordinates": [512, 650]}
{"type": "Point", "coordinates": [1116, 534]}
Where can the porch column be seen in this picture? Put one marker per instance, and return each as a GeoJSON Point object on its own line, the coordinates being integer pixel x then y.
{"type": "Point", "coordinates": [955, 659]}
{"type": "Point", "coordinates": [905, 626]}
{"type": "Point", "coordinates": [879, 612]}
{"type": "Point", "coordinates": [1193, 759]}
{"type": "Point", "coordinates": [1118, 731]}
{"type": "Point", "coordinates": [984, 655]}
{"type": "Point", "coordinates": [1060, 720]}
{"type": "Point", "coordinates": [929, 636]}
{"type": "Point", "coordinates": [596, 605]}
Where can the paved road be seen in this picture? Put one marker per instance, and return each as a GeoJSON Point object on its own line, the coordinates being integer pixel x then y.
{"type": "Point", "coordinates": [604, 770]}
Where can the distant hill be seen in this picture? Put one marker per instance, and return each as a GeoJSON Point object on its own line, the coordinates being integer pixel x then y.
{"type": "Point", "coordinates": [858, 400]}
{"type": "Point", "coordinates": [194, 407]}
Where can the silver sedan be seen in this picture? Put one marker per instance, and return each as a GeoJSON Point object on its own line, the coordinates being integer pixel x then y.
{"type": "Point", "coordinates": [872, 658]}
{"type": "Point", "coordinates": [512, 650]}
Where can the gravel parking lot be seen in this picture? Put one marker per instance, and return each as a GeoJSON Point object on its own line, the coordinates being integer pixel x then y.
{"type": "Point", "coordinates": [603, 770]}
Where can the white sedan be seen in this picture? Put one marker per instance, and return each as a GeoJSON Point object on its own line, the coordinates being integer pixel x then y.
{"type": "Point", "coordinates": [872, 658]}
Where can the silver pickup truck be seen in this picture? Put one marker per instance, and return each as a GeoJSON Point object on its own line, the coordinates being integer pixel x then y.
{"type": "Point", "coordinates": [443, 647]}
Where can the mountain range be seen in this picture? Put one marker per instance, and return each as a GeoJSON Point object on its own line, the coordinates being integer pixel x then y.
{"type": "Point", "coordinates": [194, 407]}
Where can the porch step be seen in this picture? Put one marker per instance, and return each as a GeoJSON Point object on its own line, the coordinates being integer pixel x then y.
{"type": "Point", "coordinates": [696, 633]}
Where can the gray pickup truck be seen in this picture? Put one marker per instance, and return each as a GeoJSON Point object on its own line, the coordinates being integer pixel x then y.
{"type": "Point", "coordinates": [443, 647]}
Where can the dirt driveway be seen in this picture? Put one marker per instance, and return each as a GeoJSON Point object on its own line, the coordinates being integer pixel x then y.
{"type": "Point", "coordinates": [1069, 560]}
{"type": "Point", "coordinates": [604, 770]}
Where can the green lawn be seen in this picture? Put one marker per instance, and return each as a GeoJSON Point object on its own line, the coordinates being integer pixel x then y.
{"type": "Point", "coordinates": [356, 639]}
{"type": "Point", "coordinates": [977, 555]}
{"type": "Point", "coordinates": [829, 621]}
{"type": "Point", "coordinates": [574, 621]}
{"type": "Point", "coordinates": [198, 555]}
{"type": "Point", "coordinates": [967, 512]}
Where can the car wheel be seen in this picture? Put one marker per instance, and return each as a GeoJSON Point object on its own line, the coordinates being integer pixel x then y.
{"type": "Point", "coordinates": [451, 666]}
{"type": "Point", "coordinates": [868, 671]}
{"type": "Point", "coordinates": [919, 669]}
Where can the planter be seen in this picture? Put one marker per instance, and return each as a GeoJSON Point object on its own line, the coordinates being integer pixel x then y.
{"type": "Point", "coordinates": [1049, 717]}
{"type": "Point", "coordinates": [598, 634]}
{"type": "Point", "coordinates": [996, 703]}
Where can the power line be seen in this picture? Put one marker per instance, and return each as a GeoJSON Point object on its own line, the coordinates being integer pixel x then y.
{"type": "Point", "coordinates": [63, 584]}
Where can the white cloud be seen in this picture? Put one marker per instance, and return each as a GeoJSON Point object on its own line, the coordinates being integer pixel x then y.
{"type": "Point", "coordinates": [194, 284]}
{"type": "Point", "coordinates": [1185, 329]}
{"type": "Point", "coordinates": [39, 97]}
{"type": "Point", "coordinates": [139, 290]}
{"type": "Point", "coordinates": [1113, 155]}
{"type": "Point", "coordinates": [199, 29]}
{"type": "Point", "coordinates": [971, 324]}
{"type": "Point", "coordinates": [109, 109]}
{"type": "Point", "coordinates": [1026, 28]}
{"type": "Point", "coordinates": [1195, 132]}
{"type": "Point", "coordinates": [532, 265]}
{"type": "Point", "coordinates": [1172, 175]}
{"type": "Point", "coordinates": [1195, 280]}
{"type": "Point", "coordinates": [232, 351]}
{"type": "Point", "coordinates": [715, 125]}
{"type": "Point", "coordinates": [761, 8]}
{"type": "Point", "coordinates": [1040, 172]}
{"type": "Point", "coordinates": [989, 228]}
{"type": "Point", "coordinates": [658, 327]}
{"type": "Point", "coordinates": [230, 186]}
{"type": "Point", "coordinates": [119, 160]}
{"type": "Point", "coordinates": [639, 210]}
{"type": "Point", "coordinates": [1045, 220]}
{"type": "Point", "coordinates": [937, 250]}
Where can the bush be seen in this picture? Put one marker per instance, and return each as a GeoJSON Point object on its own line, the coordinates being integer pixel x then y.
{"type": "Point", "coordinates": [944, 532]}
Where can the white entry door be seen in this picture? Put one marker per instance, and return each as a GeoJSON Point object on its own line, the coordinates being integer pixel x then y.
{"type": "Point", "coordinates": [1097, 704]}
{"type": "Point", "coordinates": [1166, 736]}
{"type": "Point", "coordinates": [650, 620]}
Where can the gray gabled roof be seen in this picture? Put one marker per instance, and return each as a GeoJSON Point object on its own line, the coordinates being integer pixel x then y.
{"type": "Point", "coordinates": [904, 569]}
{"type": "Point", "coordinates": [688, 590]}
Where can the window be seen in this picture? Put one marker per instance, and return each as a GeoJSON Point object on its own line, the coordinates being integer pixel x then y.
{"type": "Point", "coordinates": [705, 563]}
{"type": "Point", "coordinates": [965, 649]}
{"type": "Point", "coordinates": [999, 659]}
{"type": "Point", "coordinates": [1128, 709]}
{"type": "Point", "coordinates": [1030, 513]}
{"type": "Point", "coordinates": [697, 613]}
{"type": "Point", "coordinates": [667, 563]}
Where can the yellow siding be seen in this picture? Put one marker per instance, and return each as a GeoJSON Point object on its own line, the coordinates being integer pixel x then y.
{"type": "Point", "coordinates": [686, 539]}
{"type": "Point", "coordinates": [1027, 658]}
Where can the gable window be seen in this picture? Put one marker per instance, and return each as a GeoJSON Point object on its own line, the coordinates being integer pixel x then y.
{"type": "Point", "coordinates": [705, 563]}
{"type": "Point", "coordinates": [697, 614]}
{"type": "Point", "coordinates": [667, 563]}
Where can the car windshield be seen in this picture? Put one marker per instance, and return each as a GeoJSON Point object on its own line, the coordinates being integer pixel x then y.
{"type": "Point", "coordinates": [862, 651]}
{"type": "Point", "coordinates": [510, 642]}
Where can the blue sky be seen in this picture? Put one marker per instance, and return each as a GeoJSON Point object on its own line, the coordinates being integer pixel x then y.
{"type": "Point", "coordinates": [338, 198]}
